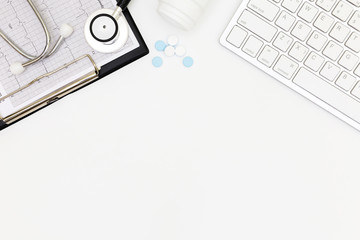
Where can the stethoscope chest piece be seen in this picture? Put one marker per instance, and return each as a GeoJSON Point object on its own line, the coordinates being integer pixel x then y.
{"type": "Point", "coordinates": [104, 33]}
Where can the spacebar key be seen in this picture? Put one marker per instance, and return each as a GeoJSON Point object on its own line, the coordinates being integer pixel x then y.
{"type": "Point", "coordinates": [328, 93]}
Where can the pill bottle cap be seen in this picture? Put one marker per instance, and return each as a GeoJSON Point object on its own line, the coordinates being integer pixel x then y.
{"type": "Point", "coordinates": [183, 14]}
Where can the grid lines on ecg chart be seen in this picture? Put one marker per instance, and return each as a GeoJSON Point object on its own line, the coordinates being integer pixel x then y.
{"type": "Point", "coordinates": [23, 26]}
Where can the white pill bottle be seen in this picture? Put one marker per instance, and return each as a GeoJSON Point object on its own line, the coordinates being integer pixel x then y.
{"type": "Point", "coordinates": [182, 13]}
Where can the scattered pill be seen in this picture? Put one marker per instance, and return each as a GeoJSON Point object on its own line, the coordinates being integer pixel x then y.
{"type": "Point", "coordinates": [169, 51]}
{"type": "Point", "coordinates": [188, 62]}
{"type": "Point", "coordinates": [160, 46]}
{"type": "Point", "coordinates": [173, 40]}
{"type": "Point", "coordinates": [157, 62]}
{"type": "Point", "coordinates": [180, 51]}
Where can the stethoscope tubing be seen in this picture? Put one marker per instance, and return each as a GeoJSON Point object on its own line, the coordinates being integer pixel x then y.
{"type": "Point", "coordinates": [32, 59]}
{"type": "Point", "coordinates": [46, 52]}
{"type": "Point", "coordinates": [123, 4]}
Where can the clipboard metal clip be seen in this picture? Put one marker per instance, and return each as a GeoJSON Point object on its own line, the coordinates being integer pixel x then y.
{"type": "Point", "coordinates": [54, 96]}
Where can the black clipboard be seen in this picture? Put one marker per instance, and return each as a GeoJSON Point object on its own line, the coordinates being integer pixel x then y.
{"type": "Point", "coordinates": [105, 70]}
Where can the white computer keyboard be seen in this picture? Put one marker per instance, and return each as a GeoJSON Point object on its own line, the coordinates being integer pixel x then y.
{"type": "Point", "coordinates": [311, 46]}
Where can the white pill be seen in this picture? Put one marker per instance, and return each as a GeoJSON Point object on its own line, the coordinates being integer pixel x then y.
{"type": "Point", "coordinates": [17, 68]}
{"type": "Point", "coordinates": [180, 51]}
{"type": "Point", "coordinates": [66, 30]}
{"type": "Point", "coordinates": [169, 51]}
{"type": "Point", "coordinates": [173, 40]}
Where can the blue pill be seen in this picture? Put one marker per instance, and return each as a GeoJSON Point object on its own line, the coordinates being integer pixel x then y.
{"type": "Point", "coordinates": [160, 46]}
{"type": "Point", "coordinates": [157, 62]}
{"type": "Point", "coordinates": [188, 62]}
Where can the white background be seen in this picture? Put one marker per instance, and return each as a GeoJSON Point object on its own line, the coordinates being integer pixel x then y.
{"type": "Point", "coordinates": [218, 151]}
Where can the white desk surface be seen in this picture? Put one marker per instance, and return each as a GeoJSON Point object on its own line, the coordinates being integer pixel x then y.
{"type": "Point", "coordinates": [218, 151]}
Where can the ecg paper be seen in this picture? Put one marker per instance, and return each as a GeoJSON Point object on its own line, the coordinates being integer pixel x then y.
{"type": "Point", "coordinates": [20, 24]}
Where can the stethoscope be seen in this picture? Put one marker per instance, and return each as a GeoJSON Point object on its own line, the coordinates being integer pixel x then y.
{"type": "Point", "coordinates": [106, 31]}
{"type": "Point", "coordinates": [18, 67]}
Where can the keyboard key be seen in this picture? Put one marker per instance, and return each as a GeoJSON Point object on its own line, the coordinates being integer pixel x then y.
{"type": "Point", "coordinates": [301, 31]}
{"type": "Point", "coordinates": [328, 94]}
{"type": "Point", "coordinates": [258, 26]}
{"type": "Point", "coordinates": [342, 11]}
{"type": "Point", "coordinates": [236, 36]}
{"type": "Point", "coordinates": [333, 50]}
{"type": "Point", "coordinates": [314, 61]}
{"type": "Point", "coordinates": [285, 21]}
{"type": "Point", "coordinates": [355, 20]}
{"type": "Point", "coordinates": [324, 22]}
{"type": "Point", "coordinates": [330, 71]}
{"type": "Point", "coordinates": [308, 12]}
{"type": "Point", "coordinates": [283, 42]}
{"type": "Point", "coordinates": [356, 91]}
{"type": "Point", "coordinates": [348, 60]}
{"type": "Point", "coordinates": [340, 32]}
{"type": "Point", "coordinates": [317, 41]}
{"type": "Point", "coordinates": [286, 67]}
{"type": "Point", "coordinates": [346, 81]}
{"type": "Point", "coordinates": [354, 42]}
{"type": "Point", "coordinates": [291, 5]}
{"type": "Point", "coordinates": [298, 51]}
{"type": "Point", "coordinates": [327, 5]}
{"type": "Point", "coordinates": [268, 56]}
{"type": "Point", "coordinates": [252, 46]}
{"type": "Point", "coordinates": [264, 8]}
{"type": "Point", "coordinates": [355, 2]}
{"type": "Point", "coordinates": [357, 71]}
